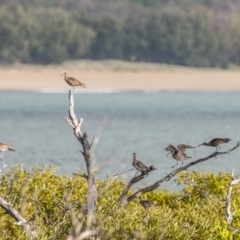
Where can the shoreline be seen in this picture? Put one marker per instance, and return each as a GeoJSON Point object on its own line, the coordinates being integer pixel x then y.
{"type": "Point", "coordinates": [138, 77]}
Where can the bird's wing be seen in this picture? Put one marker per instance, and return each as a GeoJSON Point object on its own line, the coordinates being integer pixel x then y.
{"type": "Point", "coordinates": [170, 147]}
{"type": "Point", "coordinates": [215, 140]}
{"type": "Point", "coordinates": [5, 145]}
{"type": "Point", "coordinates": [75, 81]}
{"type": "Point", "coordinates": [71, 79]}
{"type": "Point", "coordinates": [218, 141]}
{"type": "Point", "coordinates": [183, 147]}
{"type": "Point", "coordinates": [141, 164]}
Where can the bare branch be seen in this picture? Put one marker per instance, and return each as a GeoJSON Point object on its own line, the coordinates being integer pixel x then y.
{"type": "Point", "coordinates": [117, 174]}
{"type": "Point", "coordinates": [83, 139]}
{"type": "Point", "coordinates": [84, 175]}
{"type": "Point", "coordinates": [228, 198]}
{"type": "Point", "coordinates": [87, 234]}
{"type": "Point", "coordinates": [125, 200]}
{"type": "Point", "coordinates": [17, 216]}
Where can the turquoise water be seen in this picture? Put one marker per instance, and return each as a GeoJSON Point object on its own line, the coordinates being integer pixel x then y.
{"type": "Point", "coordinates": [141, 122]}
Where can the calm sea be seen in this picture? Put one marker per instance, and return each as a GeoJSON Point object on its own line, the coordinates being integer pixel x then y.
{"type": "Point", "coordinates": [126, 122]}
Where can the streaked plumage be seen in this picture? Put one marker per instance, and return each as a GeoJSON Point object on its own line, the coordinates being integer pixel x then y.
{"type": "Point", "coordinates": [138, 164]}
{"type": "Point", "coordinates": [216, 142]}
{"type": "Point", "coordinates": [73, 81]}
{"type": "Point", "coordinates": [6, 147]}
{"type": "Point", "coordinates": [178, 153]}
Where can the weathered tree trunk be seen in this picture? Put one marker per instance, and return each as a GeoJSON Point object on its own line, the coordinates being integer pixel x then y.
{"type": "Point", "coordinates": [87, 153]}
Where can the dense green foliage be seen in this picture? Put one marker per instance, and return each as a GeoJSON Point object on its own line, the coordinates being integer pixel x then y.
{"type": "Point", "coordinates": [202, 33]}
{"type": "Point", "coordinates": [56, 204]}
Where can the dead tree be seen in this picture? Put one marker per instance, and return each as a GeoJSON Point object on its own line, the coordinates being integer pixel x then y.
{"type": "Point", "coordinates": [124, 199]}
{"type": "Point", "coordinates": [87, 153]}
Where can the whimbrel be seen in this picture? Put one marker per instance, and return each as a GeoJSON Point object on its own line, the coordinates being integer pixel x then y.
{"type": "Point", "coordinates": [138, 164]}
{"type": "Point", "coordinates": [178, 153]}
{"type": "Point", "coordinates": [216, 142]}
{"type": "Point", "coordinates": [5, 147]}
{"type": "Point", "coordinates": [147, 204]}
{"type": "Point", "coordinates": [73, 81]}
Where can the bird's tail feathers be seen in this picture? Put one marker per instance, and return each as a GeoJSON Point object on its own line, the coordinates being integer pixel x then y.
{"type": "Point", "coordinates": [82, 85]}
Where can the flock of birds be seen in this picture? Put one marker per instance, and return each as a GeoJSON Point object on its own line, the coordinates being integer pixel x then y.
{"type": "Point", "coordinates": [178, 153]}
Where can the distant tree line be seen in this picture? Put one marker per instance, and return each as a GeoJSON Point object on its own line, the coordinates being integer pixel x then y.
{"type": "Point", "coordinates": [204, 34]}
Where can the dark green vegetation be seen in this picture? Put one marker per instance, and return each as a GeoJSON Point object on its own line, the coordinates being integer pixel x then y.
{"type": "Point", "coordinates": [197, 212]}
{"type": "Point", "coordinates": [203, 33]}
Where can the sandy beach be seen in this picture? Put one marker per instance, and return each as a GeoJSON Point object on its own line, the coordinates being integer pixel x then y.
{"type": "Point", "coordinates": [119, 76]}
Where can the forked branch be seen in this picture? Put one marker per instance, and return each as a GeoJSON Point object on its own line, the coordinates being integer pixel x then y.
{"type": "Point", "coordinates": [30, 232]}
{"type": "Point", "coordinates": [123, 198]}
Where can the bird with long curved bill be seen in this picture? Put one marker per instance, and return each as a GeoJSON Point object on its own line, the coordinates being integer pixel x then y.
{"type": "Point", "coordinates": [216, 142]}
{"type": "Point", "coordinates": [73, 82]}
{"type": "Point", "coordinates": [178, 153]}
{"type": "Point", "coordinates": [5, 147]}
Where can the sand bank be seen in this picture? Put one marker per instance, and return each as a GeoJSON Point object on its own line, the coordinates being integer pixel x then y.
{"type": "Point", "coordinates": [24, 77]}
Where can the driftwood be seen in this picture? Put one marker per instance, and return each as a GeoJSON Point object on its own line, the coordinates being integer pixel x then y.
{"type": "Point", "coordinates": [124, 199]}
{"type": "Point", "coordinates": [228, 198]}
{"type": "Point", "coordinates": [83, 139]}
{"type": "Point", "coordinates": [30, 232]}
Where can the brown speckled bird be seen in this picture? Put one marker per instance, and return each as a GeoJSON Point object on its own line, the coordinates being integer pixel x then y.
{"type": "Point", "coordinates": [73, 81]}
{"type": "Point", "coordinates": [216, 142]}
{"type": "Point", "coordinates": [178, 153]}
{"type": "Point", "coordinates": [138, 164]}
{"type": "Point", "coordinates": [6, 147]}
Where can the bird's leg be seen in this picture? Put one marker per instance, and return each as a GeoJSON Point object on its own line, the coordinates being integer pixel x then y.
{"type": "Point", "coordinates": [175, 165]}
{"type": "Point", "coordinates": [1, 156]}
{"type": "Point", "coordinates": [4, 165]}
{"type": "Point", "coordinates": [182, 164]}
{"type": "Point", "coordinates": [142, 171]}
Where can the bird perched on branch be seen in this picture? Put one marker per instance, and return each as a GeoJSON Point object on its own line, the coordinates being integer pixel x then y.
{"type": "Point", "coordinates": [5, 147]}
{"type": "Point", "coordinates": [72, 81]}
{"type": "Point", "coordinates": [147, 204]}
{"type": "Point", "coordinates": [216, 142]}
{"type": "Point", "coordinates": [138, 164]}
{"type": "Point", "coordinates": [178, 153]}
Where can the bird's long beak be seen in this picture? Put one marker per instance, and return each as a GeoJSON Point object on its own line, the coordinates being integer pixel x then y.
{"type": "Point", "coordinates": [62, 74]}
{"type": "Point", "coordinates": [168, 153]}
{"type": "Point", "coordinates": [199, 145]}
